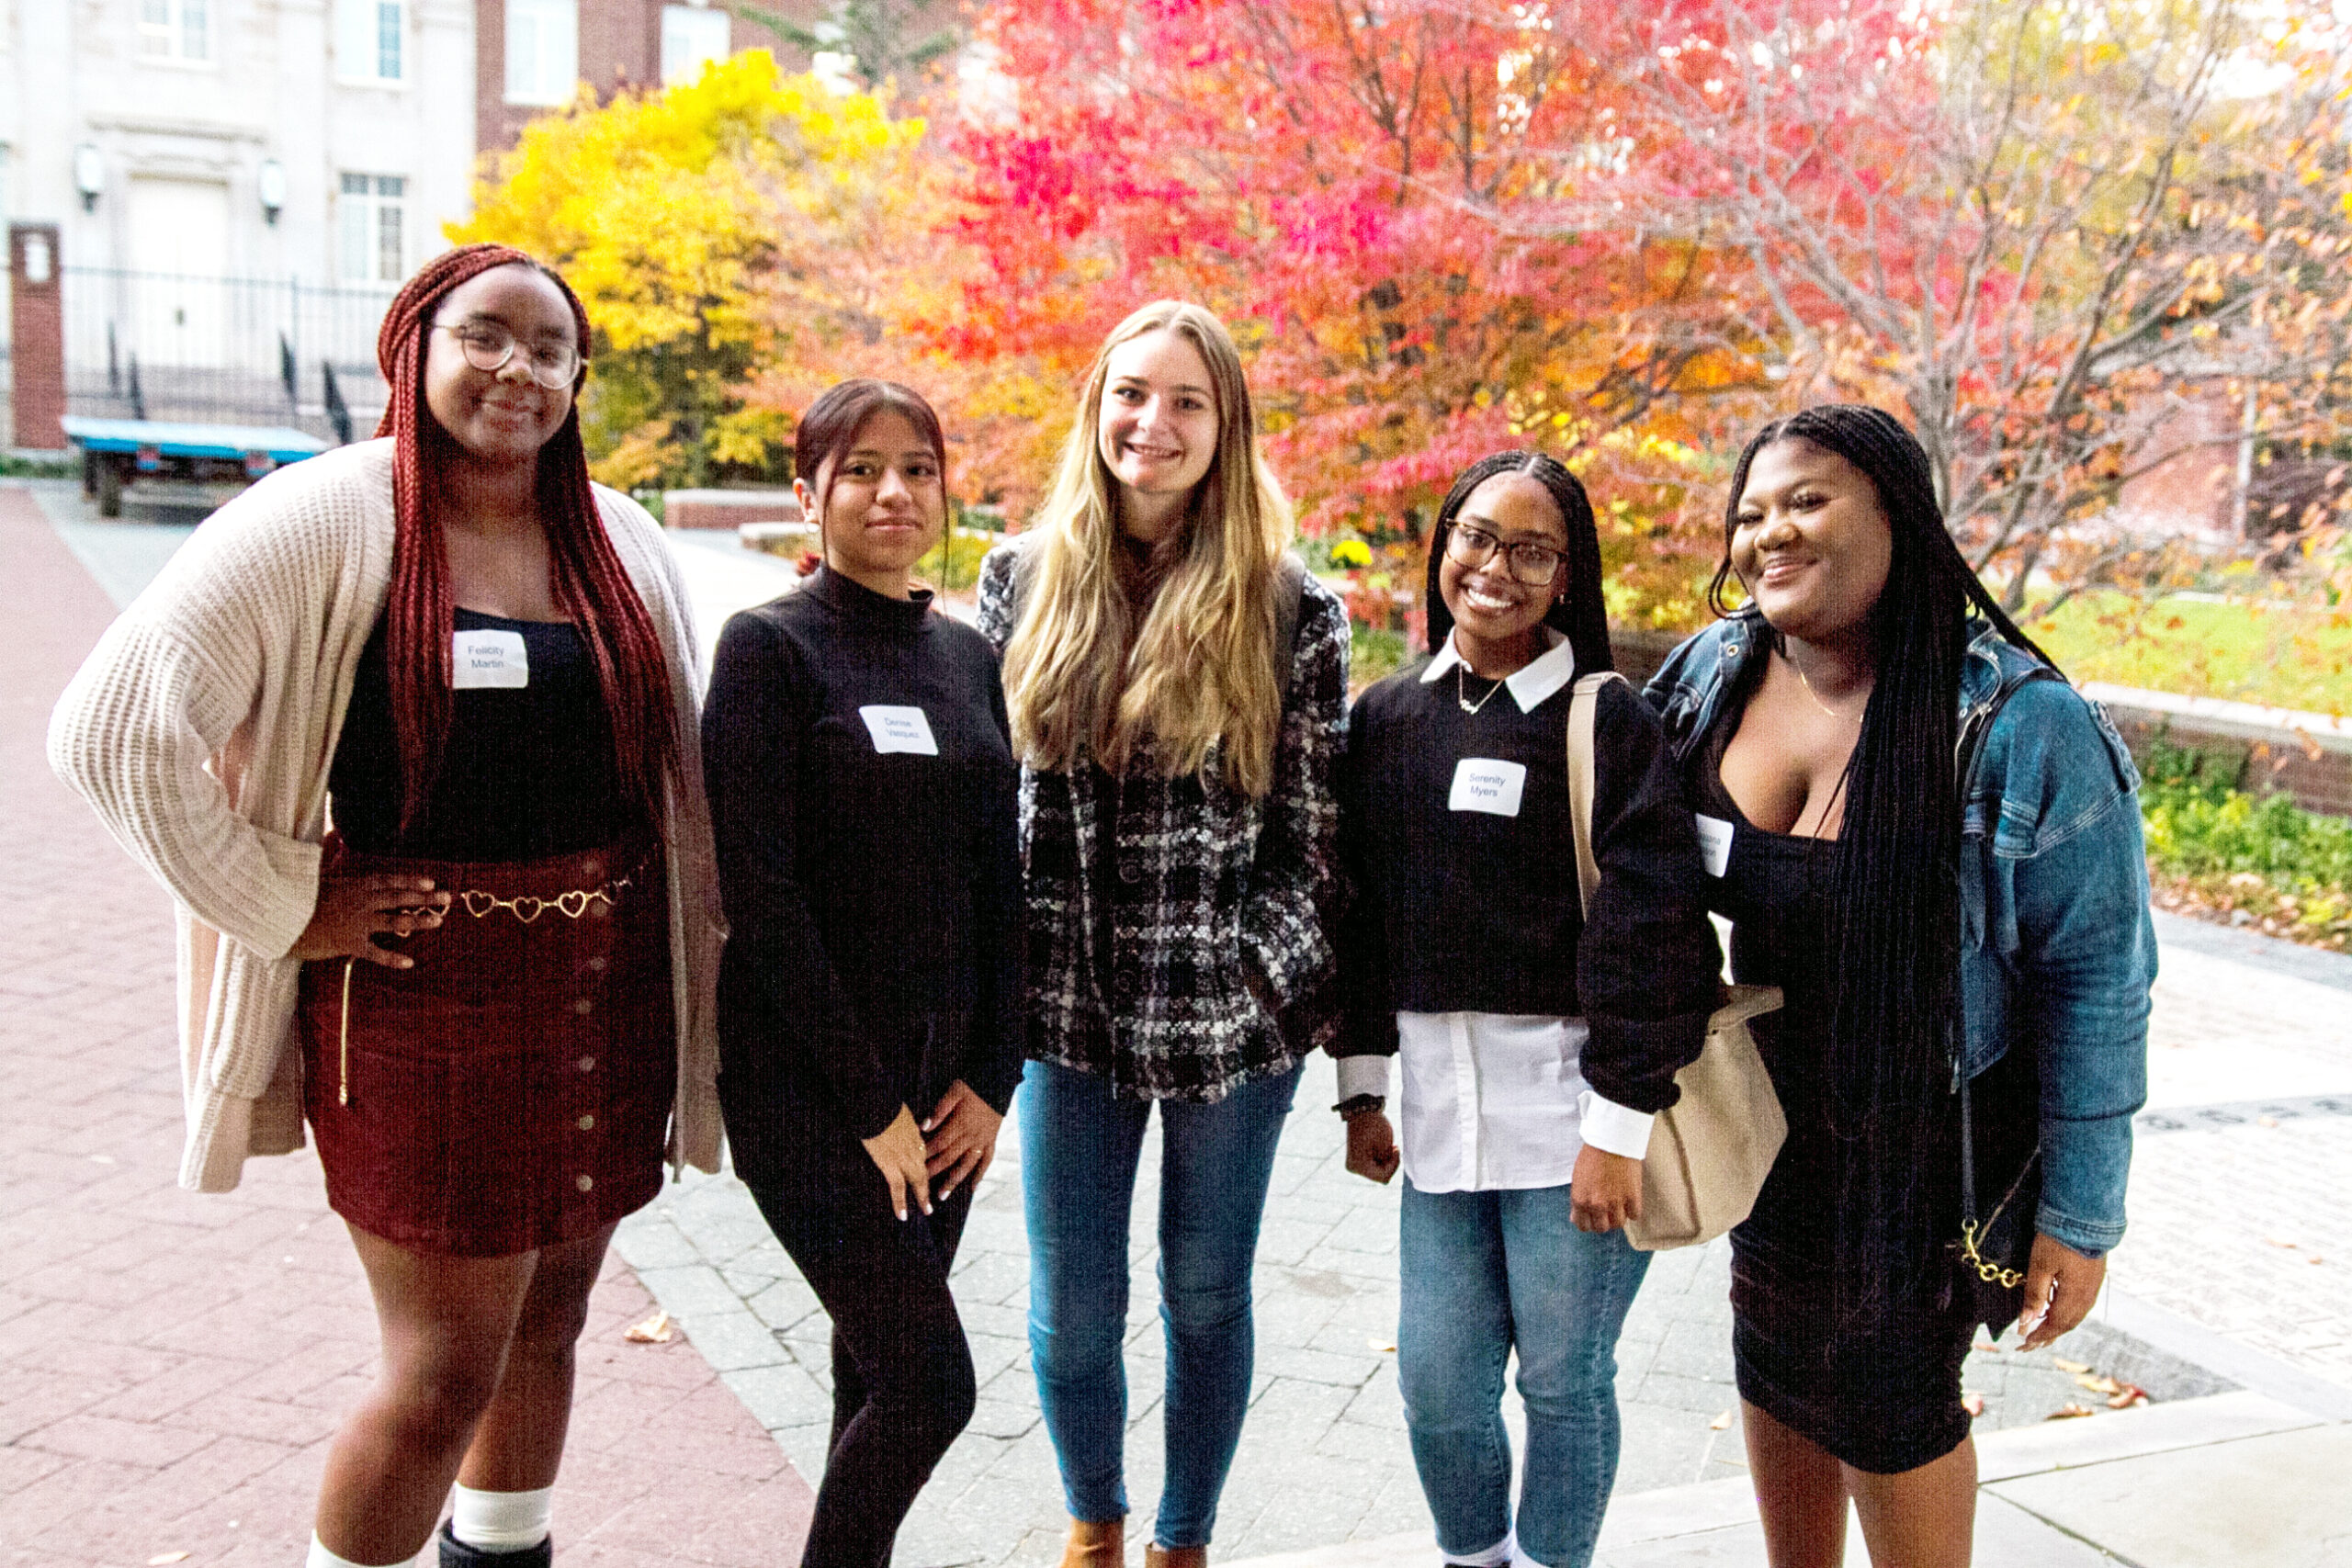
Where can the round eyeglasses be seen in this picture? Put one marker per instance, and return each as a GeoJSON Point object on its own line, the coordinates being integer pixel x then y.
{"type": "Point", "coordinates": [1530, 563]}
{"type": "Point", "coordinates": [488, 347]}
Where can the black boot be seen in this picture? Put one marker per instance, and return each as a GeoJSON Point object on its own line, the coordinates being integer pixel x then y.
{"type": "Point", "coordinates": [456, 1553]}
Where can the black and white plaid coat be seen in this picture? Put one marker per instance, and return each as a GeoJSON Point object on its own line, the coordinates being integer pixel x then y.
{"type": "Point", "coordinates": [1219, 904]}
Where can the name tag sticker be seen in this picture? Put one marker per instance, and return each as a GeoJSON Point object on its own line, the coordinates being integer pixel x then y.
{"type": "Point", "coordinates": [488, 659]}
{"type": "Point", "coordinates": [1483, 783]}
{"type": "Point", "coordinates": [900, 729]}
{"type": "Point", "coordinates": [1714, 843]}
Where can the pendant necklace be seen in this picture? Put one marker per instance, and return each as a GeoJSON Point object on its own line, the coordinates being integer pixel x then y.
{"type": "Point", "coordinates": [1462, 691]}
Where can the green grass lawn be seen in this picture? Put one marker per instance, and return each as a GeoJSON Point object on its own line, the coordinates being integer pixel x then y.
{"type": "Point", "coordinates": [2281, 657]}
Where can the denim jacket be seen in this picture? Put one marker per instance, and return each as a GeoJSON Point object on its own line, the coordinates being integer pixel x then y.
{"type": "Point", "coordinates": [2056, 944]}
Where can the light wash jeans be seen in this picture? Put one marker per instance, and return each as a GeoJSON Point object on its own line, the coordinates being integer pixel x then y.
{"type": "Point", "coordinates": [1079, 1149]}
{"type": "Point", "coordinates": [1485, 1273]}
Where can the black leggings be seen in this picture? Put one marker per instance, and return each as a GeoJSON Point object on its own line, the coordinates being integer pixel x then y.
{"type": "Point", "coordinates": [902, 1370]}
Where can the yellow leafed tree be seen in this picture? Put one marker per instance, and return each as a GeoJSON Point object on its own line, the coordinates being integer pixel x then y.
{"type": "Point", "coordinates": [715, 231]}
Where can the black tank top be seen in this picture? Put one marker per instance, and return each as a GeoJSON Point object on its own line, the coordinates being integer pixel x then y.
{"type": "Point", "coordinates": [528, 771]}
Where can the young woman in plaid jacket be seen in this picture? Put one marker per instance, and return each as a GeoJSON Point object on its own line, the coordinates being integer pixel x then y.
{"type": "Point", "coordinates": [1177, 686]}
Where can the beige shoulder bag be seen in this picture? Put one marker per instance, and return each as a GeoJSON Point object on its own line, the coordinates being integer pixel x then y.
{"type": "Point", "coordinates": [1711, 1149]}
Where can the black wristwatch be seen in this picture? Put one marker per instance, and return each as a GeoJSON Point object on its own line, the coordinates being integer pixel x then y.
{"type": "Point", "coordinates": [1356, 1104]}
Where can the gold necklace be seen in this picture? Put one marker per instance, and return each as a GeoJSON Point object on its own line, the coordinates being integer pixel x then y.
{"type": "Point", "coordinates": [1462, 691]}
{"type": "Point", "coordinates": [1817, 696]}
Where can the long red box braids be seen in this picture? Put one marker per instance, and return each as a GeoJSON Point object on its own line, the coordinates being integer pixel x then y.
{"type": "Point", "coordinates": [590, 582]}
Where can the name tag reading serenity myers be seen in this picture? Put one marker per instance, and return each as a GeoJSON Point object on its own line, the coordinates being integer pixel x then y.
{"type": "Point", "coordinates": [488, 659]}
{"type": "Point", "coordinates": [1483, 783]}
{"type": "Point", "coordinates": [900, 729]}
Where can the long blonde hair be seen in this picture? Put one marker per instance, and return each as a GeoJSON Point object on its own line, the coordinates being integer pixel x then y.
{"type": "Point", "coordinates": [1196, 681]}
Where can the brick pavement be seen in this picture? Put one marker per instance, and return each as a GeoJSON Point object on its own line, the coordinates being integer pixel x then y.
{"type": "Point", "coordinates": [2230, 1196]}
{"type": "Point", "coordinates": [172, 1364]}
{"type": "Point", "coordinates": [1323, 1457]}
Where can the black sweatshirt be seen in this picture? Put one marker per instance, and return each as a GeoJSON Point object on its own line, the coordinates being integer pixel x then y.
{"type": "Point", "coordinates": [1471, 911]}
{"type": "Point", "coordinates": [873, 886]}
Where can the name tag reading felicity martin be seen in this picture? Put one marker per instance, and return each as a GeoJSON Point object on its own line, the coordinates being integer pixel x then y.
{"type": "Point", "coordinates": [900, 729]}
{"type": "Point", "coordinates": [1483, 783]}
{"type": "Point", "coordinates": [488, 659]}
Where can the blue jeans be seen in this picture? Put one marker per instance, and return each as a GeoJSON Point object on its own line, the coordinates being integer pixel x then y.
{"type": "Point", "coordinates": [1482, 1273]}
{"type": "Point", "coordinates": [1079, 1149]}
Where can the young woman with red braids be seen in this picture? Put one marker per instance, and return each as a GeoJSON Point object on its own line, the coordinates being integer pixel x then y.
{"type": "Point", "coordinates": [408, 732]}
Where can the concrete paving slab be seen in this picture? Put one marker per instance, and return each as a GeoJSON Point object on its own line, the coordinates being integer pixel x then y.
{"type": "Point", "coordinates": [2133, 1434]}
{"type": "Point", "coordinates": [2280, 1501]}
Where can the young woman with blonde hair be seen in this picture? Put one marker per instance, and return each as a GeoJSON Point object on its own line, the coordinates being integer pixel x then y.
{"type": "Point", "coordinates": [1177, 686]}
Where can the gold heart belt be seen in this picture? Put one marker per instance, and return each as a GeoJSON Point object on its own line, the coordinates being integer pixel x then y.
{"type": "Point", "coordinates": [528, 907]}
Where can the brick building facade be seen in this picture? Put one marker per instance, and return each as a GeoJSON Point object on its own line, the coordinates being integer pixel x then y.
{"type": "Point", "coordinates": [530, 55]}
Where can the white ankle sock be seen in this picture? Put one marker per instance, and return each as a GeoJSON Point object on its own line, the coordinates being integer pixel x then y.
{"type": "Point", "coordinates": [502, 1521]}
{"type": "Point", "coordinates": [322, 1558]}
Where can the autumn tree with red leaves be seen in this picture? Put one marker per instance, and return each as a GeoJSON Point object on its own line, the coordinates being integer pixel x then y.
{"type": "Point", "coordinates": [2058, 235]}
{"type": "Point", "coordinates": [1370, 194]}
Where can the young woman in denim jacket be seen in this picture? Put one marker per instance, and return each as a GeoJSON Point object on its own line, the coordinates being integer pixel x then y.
{"type": "Point", "coordinates": [1921, 926]}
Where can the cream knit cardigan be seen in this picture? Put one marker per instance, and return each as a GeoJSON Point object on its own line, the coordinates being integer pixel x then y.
{"type": "Point", "coordinates": [201, 729]}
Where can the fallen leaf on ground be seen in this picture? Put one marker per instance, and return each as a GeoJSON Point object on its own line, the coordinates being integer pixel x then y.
{"type": "Point", "coordinates": [2097, 1384]}
{"type": "Point", "coordinates": [2067, 1412]}
{"type": "Point", "coordinates": [2065, 1365]}
{"type": "Point", "coordinates": [2314, 1257]}
{"type": "Point", "coordinates": [1719, 1423]}
{"type": "Point", "coordinates": [2265, 1120]}
{"type": "Point", "coordinates": [1383, 1345]}
{"type": "Point", "coordinates": [1973, 1402]}
{"type": "Point", "coordinates": [161, 1558]}
{"type": "Point", "coordinates": [2280, 1241]}
{"type": "Point", "coordinates": [2130, 1394]}
{"type": "Point", "coordinates": [654, 1330]}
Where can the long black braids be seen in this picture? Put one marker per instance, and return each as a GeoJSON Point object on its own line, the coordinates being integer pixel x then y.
{"type": "Point", "coordinates": [1581, 615]}
{"type": "Point", "coordinates": [1894, 937]}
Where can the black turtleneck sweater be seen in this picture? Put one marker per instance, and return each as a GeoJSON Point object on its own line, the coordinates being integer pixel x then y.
{"type": "Point", "coordinates": [863, 793]}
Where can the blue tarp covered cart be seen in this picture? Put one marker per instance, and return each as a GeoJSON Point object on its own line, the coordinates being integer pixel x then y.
{"type": "Point", "coordinates": [114, 452]}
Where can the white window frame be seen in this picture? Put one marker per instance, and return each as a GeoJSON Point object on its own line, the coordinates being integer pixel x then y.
{"type": "Point", "coordinates": [168, 27]}
{"type": "Point", "coordinates": [361, 31]}
{"type": "Point", "coordinates": [371, 228]}
{"type": "Point", "coordinates": [542, 51]}
{"type": "Point", "coordinates": [684, 55]}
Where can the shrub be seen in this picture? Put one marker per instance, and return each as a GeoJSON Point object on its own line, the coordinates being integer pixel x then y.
{"type": "Point", "coordinates": [2252, 860]}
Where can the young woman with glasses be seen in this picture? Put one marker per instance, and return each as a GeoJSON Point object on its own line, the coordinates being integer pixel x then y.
{"type": "Point", "coordinates": [1927, 930]}
{"type": "Point", "coordinates": [1176, 684]}
{"type": "Point", "coordinates": [407, 729]}
{"type": "Point", "coordinates": [1537, 1043]}
{"type": "Point", "coordinates": [862, 784]}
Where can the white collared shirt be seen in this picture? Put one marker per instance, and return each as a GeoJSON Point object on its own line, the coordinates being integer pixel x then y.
{"type": "Point", "coordinates": [1498, 1101]}
{"type": "Point", "coordinates": [1532, 683]}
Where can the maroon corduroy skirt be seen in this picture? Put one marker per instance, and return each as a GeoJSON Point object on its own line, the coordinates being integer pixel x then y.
{"type": "Point", "coordinates": [513, 1089]}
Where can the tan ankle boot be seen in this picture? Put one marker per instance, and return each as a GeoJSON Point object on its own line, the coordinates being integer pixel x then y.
{"type": "Point", "coordinates": [1103, 1545]}
{"type": "Point", "coordinates": [1155, 1556]}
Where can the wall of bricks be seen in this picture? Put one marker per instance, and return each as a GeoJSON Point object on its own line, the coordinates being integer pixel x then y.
{"type": "Point", "coordinates": [37, 357]}
{"type": "Point", "coordinates": [726, 508]}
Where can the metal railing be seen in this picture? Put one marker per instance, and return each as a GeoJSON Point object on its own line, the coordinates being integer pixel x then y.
{"type": "Point", "coordinates": [228, 350]}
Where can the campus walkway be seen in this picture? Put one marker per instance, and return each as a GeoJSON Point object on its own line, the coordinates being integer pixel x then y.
{"type": "Point", "coordinates": [169, 1363]}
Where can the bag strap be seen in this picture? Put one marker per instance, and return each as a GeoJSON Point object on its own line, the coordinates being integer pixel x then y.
{"type": "Point", "coordinates": [1290, 590]}
{"type": "Point", "coordinates": [1965, 753]}
{"type": "Point", "coordinates": [1584, 702]}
